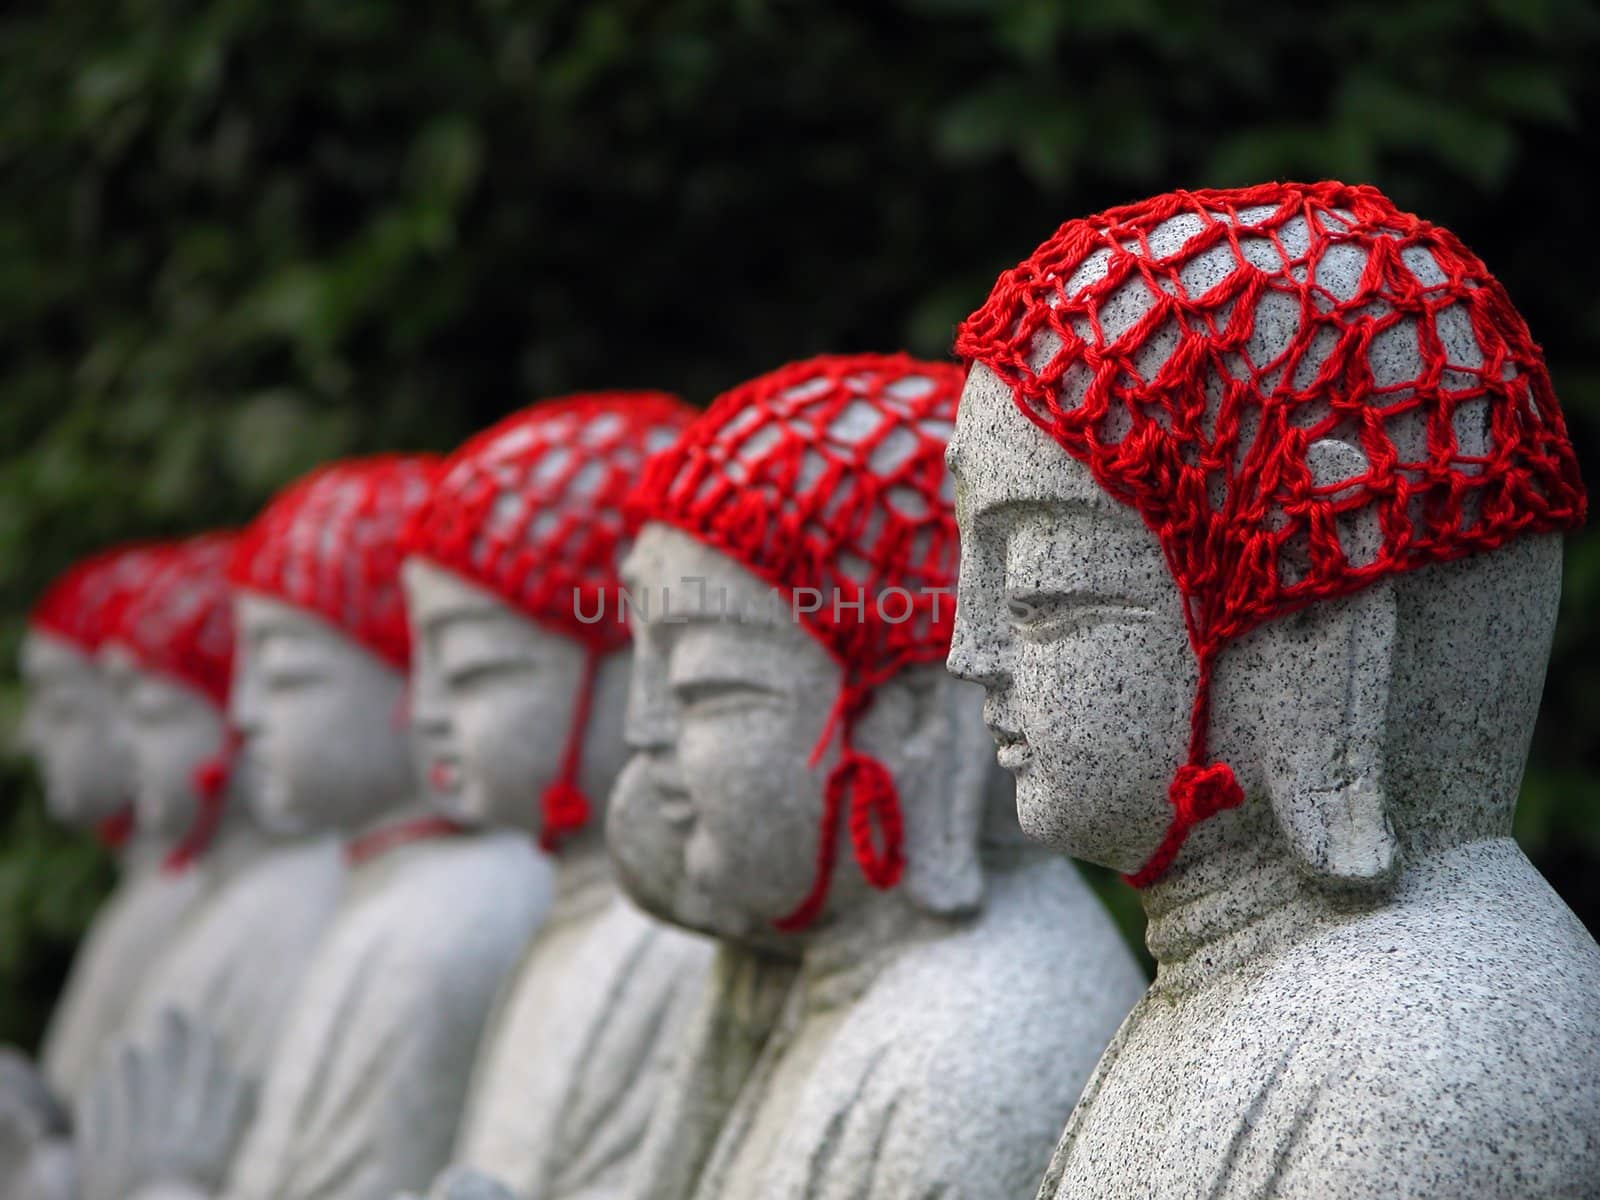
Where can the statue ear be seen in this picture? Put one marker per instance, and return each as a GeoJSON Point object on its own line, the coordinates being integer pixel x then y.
{"type": "Point", "coordinates": [947, 757]}
{"type": "Point", "coordinates": [1324, 741]}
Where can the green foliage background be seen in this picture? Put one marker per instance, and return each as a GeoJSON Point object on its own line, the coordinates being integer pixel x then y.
{"type": "Point", "coordinates": [240, 236]}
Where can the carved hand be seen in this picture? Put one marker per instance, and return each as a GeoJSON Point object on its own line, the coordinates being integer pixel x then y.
{"type": "Point", "coordinates": [29, 1114]}
{"type": "Point", "coordinates": [171, 1111]}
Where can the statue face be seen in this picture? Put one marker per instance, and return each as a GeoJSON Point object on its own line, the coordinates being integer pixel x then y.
{"type": "Point", "coordinates": [172, 730]}
{"type": "Point", "coordinates": [715, 820]}
{"type": "Point", "coordinates": [322, 720]}
{"type": "Point", "coordinates": [492, 701]}
{"type": "Point", "coordinates": [69, 727]}
{"type": "Point", "coordinates": [1068, 618]}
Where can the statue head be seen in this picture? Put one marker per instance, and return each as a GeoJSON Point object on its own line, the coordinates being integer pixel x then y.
{"type": "Point", "coordinates": [169, 658]}
{"type": "Point", "coordinates": [796, 746]}
{"type": "Point", "coordinates": [320, 704]}
{"type": "Point", "coordinates": [1259, 493]}
{"type": "Point", "coordinates": [520, 670]}
{"type": "Point", "coordinates": [69, 721]}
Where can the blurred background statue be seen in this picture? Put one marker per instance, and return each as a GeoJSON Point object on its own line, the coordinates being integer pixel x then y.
{"type": "Point", "coordinates": [369, 1074]}
{"type": "Point", "coordinates": [145, 715]}
{"type": "Point", "coordinates": [812, 788]}
{"type": "Point", "coordinates": [521, 677]}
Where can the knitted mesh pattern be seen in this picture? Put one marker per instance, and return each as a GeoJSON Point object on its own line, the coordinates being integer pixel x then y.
{"type": "Point", "coordinates": [829, 475]}
{"type": "Point", "coordinates": [82, 604]}
{"type": "Point", "coordinates": [532, 510]}
{"type": "Point", "coordinates": [330, 544]}
{"type": "Point", "coordinates": [180, 622]}
{"type": "Point", "coordinates": [1191, 349]}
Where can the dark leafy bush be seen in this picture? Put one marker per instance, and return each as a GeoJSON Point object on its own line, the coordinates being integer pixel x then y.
{"type": "Point", "coordinates": [239, 236]}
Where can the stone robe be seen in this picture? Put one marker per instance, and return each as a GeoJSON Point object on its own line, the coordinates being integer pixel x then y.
{"type": "Point", "coordinates": [236, 963]}
{"type": "Point", "coordinates": [941, 1063]}
{"type": "Point", "coordinates": [568, 1078]}
{"type": "Point", "coordinates": [129, 932]}
{"type": "Point", "coordinates": [1366, 1055]}
{"type": "Point", "coordinates": [370, 1073]}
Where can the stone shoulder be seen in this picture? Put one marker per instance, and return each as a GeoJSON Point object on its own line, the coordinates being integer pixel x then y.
{"type": "Point", "coordinates": [1414, 1021]}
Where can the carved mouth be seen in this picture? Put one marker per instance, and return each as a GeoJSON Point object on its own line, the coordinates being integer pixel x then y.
{"type": "Point", "coordinates": [444, 776]}
{"type": "Point", "coordinates": [675, 807]}
{"type": "Point", "coordinates": [1011, 749]}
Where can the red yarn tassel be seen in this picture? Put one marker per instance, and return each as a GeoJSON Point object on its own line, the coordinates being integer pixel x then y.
{"type": "Point", "coordinates": [563, 808]}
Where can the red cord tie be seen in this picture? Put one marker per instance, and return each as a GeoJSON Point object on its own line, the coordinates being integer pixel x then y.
{"type": "Point", "coordinates": [210, 781]}
{"type": "Point", "coordinates": [563, 808]}
{"type": "Point", "coordinates": [860, 786]}
{"type": "Point", "coordinates": [114, 831]}
{"type": "Point", "coordinates": [872, 797]}
{"type": "Point", "coordinates": [1199, 793]}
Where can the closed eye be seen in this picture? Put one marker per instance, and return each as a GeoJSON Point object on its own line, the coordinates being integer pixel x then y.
{"type": "Point", "coordinates": [706, 695]}
{"type": "Point", "coordinates": [459, 676]}
{"type": "Point", "coordinates": [291, 680]}
{"type": "Point", "coordinates": [1044, 611]}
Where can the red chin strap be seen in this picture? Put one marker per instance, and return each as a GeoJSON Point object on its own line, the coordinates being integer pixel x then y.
{"type": "Point", "coordinates": [1199, 790]}
{"type": "Point", "coordinates": [390, 837]}
{"type": "Point", "coordinates": [860, 786]}
{"type": "Point", "coordinates": [563, 808]}
{"type": "Point", "coordinates": [211, 791]}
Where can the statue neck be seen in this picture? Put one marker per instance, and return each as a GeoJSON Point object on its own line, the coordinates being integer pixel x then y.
{"type": "Point", "coordinates": [1212, 915]}
{"type": "Point", "coordinates": [142, 853]}
{"type": "Point", "coordinates": [583, 876]}
{"type": "Point", "coordinates": [238, 840]}
{"type": "Point", "coordinates": [846, 952]}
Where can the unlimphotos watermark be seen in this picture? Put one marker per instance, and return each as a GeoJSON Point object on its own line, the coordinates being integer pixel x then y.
{"type": "Point", "coordinates": [696, 601]}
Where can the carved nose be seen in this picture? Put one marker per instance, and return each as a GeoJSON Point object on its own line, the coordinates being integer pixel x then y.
{"type": "Point", "coordinates": [971, 661]}
{"type": "Point", "coordinates": [648, 727]}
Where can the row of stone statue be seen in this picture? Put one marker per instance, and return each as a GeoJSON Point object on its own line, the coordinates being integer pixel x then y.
{"type": "Point", "coordinates": [604, 810]}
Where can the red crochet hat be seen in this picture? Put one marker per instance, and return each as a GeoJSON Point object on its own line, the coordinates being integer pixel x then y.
{"type": "Point", "coordinates": [531, 509]}
{"type": "Point", "coordinates": [330, 543]}
{"type": "Point", "coordinates": [1190, 349]}
{"type": "Point", "coordinates": [180, 624]}
{"type": "Point", "coordinates": [81, 605]}
{"type": "Point", "coordinates": [829, 475]}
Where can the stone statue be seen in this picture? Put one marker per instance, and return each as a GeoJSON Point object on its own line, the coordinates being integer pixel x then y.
{"type": "Point", "coordinates": [518, 703]}
{"type": "Point", "coordinates": [1260, 494]}
{"type": "Point", "coordinates": [228, 977]}
{"type": "Point", "coordinates": [810, 787]}
{"type": "Point", "coordinates": [369, 1072]}
{"type": "Point", "coordinates": [87, 771]}
{"type": "Point", "coordinates": [164, 658]}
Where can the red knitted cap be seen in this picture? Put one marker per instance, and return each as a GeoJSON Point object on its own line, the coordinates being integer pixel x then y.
{"type": "Point", "coordinates": [180, 624]}
{"type": "Point", "coordinates": [81, 605]}
{"type": "Point", "coordinates": [829, 475]}
{"type": "Point", "coordinates": [1191, 348]}
{"type": "Point", "coordinates": [330, 543]}
{"type": "Point", "coordinates": [532, 510]}
{"type": "Point", "coordinates": [180, 621]}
